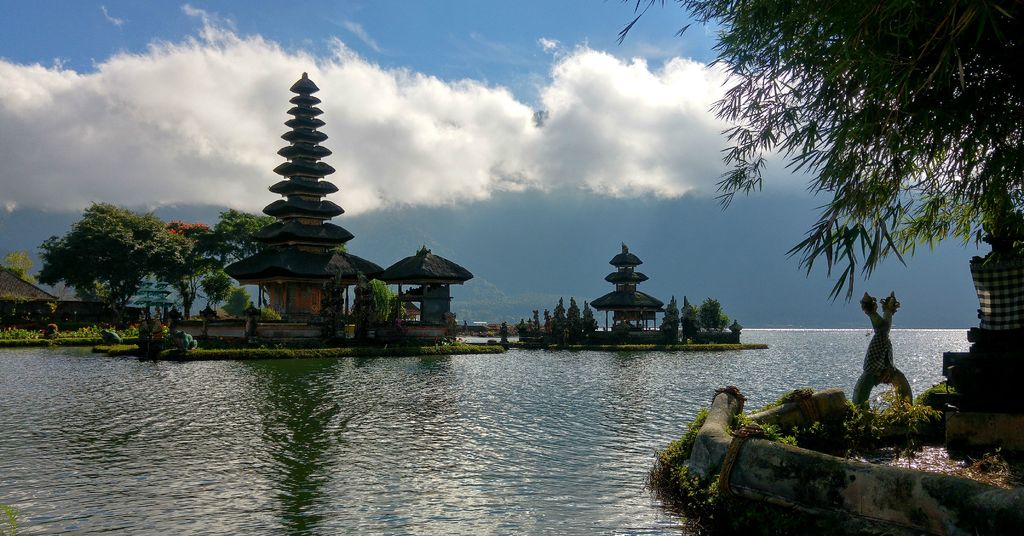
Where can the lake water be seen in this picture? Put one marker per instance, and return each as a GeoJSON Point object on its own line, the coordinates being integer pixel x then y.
{"type": "Point", "coordinates": [525, 442]}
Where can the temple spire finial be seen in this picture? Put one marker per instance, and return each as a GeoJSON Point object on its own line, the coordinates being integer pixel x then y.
{"type": "Point", "coordinates": [625, 248]}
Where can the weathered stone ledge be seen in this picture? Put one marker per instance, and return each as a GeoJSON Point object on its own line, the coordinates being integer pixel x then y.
{"type": "Point", "coordinates": [810, 481]}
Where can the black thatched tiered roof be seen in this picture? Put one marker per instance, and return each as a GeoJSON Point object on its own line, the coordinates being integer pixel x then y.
{"type": "Point", "coordinates": [425, 267]}
{"type": "Point", "coordinates": [624, 299]}
{"type": "Point", "coordinates": [302, 243]}
{"type": "Point", "coordinates": [625, 296]}
{"type": "Point", "coordinates": [13, 287]}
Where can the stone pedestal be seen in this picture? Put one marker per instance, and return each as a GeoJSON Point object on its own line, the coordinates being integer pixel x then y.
{"type": "Point", "coordinates": [986, 381]}
{"type": "Point", "coordinates": [985, 430]}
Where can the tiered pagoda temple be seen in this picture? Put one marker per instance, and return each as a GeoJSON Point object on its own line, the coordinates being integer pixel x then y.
{"type": "Point", "coordinates": [627, 303]}
{"type": "Point", "coordinates": [302, 250]}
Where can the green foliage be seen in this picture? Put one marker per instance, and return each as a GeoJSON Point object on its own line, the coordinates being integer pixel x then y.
{"type": "Point", "coordinates": [385, 303]}
{"type": "Point", "coordinates": [8, 520]}
{"type": "Point", "coordinates": [106, 254]}
{"type": "Point", "coordinates": [898, 111]}
{"type": "Point", "coordinates": [322, 353]}
{"type": "Point", "coordinates": [216, 286]}
{"type": "Point", "coordinates": [588, 321]}
{"type": "Point", "coordinates": [710, 315]}
{"type": "Point", "coordinates": [924, 398]}
{"type": "Point", "coordinates": [238, 301]}
{"type": "Point", "coordinates": [186, 260]}
{"type": "Point", "coordinates": [19, 263]}
{"type": "Point", "coordinates": [116, 350]}
{"type": "Point", "coordinates": [670, 322]}
{"type": "Point", "coordinates": [266, 313]}
{"type": "Point", "coordinates": [232, 238]}
{"type": "Point", "coordinates": [573, 322]}
{"type": "Point", "coordinates": [559, 327]}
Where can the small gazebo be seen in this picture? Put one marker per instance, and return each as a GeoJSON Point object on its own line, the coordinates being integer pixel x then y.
{"type": "Point", "coordinates": [432, 277]}
{"type": "Point", "coordinates": [626, 303]}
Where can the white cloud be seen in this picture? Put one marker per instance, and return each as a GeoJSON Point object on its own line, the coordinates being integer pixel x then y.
{"type": "Point", "coordinates": [200, 122]}
{"type": "Point", "coordinates": [111, 19]}
{"type": "Point", "coordinates": [357, 30]}
{"type": "Point", "coordinates": [548, 44]}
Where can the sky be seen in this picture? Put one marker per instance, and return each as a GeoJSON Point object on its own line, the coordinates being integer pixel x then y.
{"type": "Point", "coordinates": [487, 114]}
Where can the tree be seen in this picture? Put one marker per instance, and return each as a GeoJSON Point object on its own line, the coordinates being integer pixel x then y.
{"type": "Point", "coordinates": [905, 114]}
{"type": "Point", "coordinates": [689, 324]}
{"type": "Point", "coordinates": [186, 260]}
{"type": "Point", "coordinates": [237, 302]}
{"type": "Point", "coordinates": [710, 315]}
{"type": "Point", "coordinates": [106, 254]}
{"type": "Point", "coordinates": [232, 238]}
{"type": "Point", "coordinates": [573, 322]}
{"type": "Point", "coordinates": [385, 301]}
{"type": "Point", "coordinates": [589, 322]}
{"type": "Point", "coordinates": [19, 263]}
{"type": "Point", "coordinates": [670, 322]}
{"type": "Point", "coordinates": [216, 286]}
{"type": "Point", "coordinates": [558, 323]}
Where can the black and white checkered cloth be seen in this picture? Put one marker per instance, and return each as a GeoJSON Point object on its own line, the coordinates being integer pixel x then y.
{"type": "Point", "coordinates": [878, 359]}
{"type": "Point", "coordinates": [1000, 289]}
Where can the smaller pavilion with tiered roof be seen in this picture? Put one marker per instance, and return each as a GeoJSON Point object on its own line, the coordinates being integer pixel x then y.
{"type": "Point", "coordinates": [433, 277]}
{"type": "Point", "coordinates": [626, 303]}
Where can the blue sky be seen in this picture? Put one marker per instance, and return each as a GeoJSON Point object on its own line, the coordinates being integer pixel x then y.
{"type": "Point", "coordinates": [495, 42]}
{"type": "Point", "coordinates": [448, 116]}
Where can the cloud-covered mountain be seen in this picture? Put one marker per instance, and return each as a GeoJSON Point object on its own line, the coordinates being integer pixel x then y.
{"type": "Point", "coordinates": [527, 249]}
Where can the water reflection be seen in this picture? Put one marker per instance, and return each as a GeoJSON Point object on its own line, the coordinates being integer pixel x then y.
{"type": "Point", "coordinates": [301, 425]}
{"type": "Point", "coordinates": [525, 442]}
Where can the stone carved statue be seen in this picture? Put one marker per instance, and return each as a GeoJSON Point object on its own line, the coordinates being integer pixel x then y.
{"type": "Point", "coordinates": [110, 336]}
{"type": "Point", "coordinates": [183, 341]}
{"type": "Point", "coordinates": [878, 361]}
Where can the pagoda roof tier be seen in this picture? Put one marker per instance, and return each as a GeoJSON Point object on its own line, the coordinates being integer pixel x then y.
{"type": "Point", "coordinates": [295, 186]}
{"type": "Point", "coordinates": [347, 267]}
{"type": "Point", "coordinates": [285, 208]}
{"type": "Point", "coordinates": [625, 258]}
{"type": "Point", "coordinates": [326, 234]}
{"type": "Point", "coordinates": [425, 267]}
{"type": "Point", "coordinates": [304, 100]}
{"type": "Point", "coordinates": [625, 277]}
{"type": "Point", "coordinates": [304, 168]}
{"type": "Point", "coordinates": [311, 123]}
{"type": "Point", "coordinates": [304, 86]}
{"type": "Point", "coordinates": [625, 300]}
{"type": "Point", "coordinates": [292, 263]}
{"type": "Point", "coordinates": [304, 150]}
{"type": "Point", "coordinates": [304, 136]}
{"type": "Point", "coordinates": [305, 110]}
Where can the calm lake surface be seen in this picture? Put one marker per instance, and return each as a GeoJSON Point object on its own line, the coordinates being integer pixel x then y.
{"type": "Point", "coordinates": [525, 442]}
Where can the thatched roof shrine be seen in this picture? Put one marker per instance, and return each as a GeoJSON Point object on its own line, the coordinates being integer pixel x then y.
{"type": "Point", "coordinates": [13, 287]}
{"type": "Point", "coordinates": [425, 267]}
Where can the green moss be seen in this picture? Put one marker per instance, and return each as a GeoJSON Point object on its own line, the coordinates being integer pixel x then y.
{"type": "Point", "coordinates": [116, 350]}
{"type": "Point", "coordinates": [712, 512]}
{"type": "Point", "coordinates": [657, 347]}
{"type": "Point", "coordinates": [925, 397]}
{"type": "Point", "coordinates": [287, 353]}
{"type": "Point", "coordinates": [789, 396]}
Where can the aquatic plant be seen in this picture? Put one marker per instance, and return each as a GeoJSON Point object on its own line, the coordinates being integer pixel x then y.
{"type": "Point", "coordinates": [8, 520]}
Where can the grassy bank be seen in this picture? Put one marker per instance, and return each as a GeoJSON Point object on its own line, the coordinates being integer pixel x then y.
{"type": "Point", "coordinates": [60, 341]}
{"type": "Point", "coordinates": [650, 347]}
{"type": "Point", "coordinates": [225, 354]}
